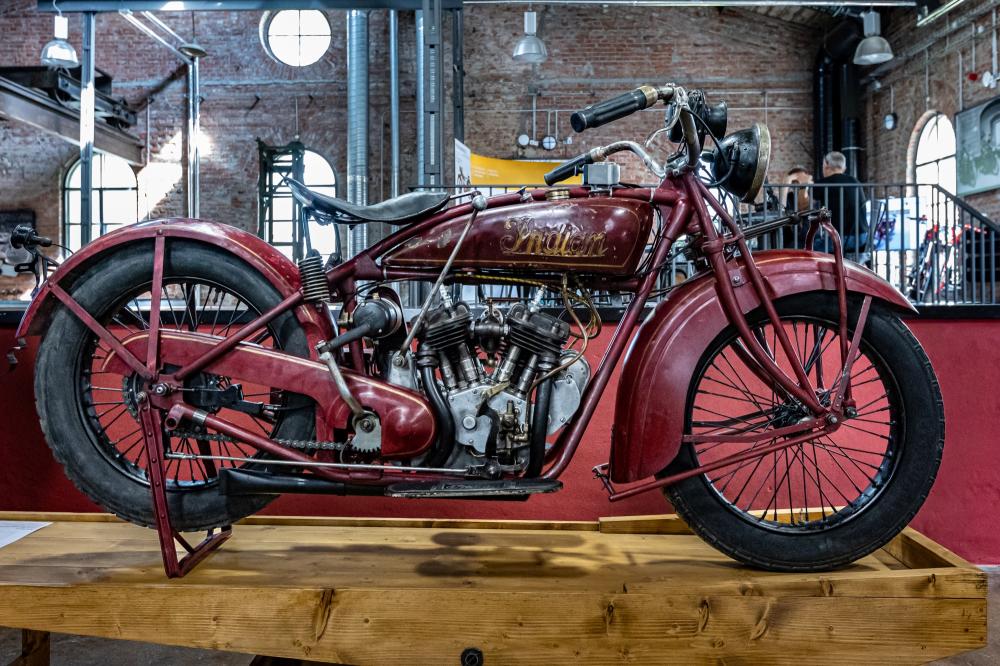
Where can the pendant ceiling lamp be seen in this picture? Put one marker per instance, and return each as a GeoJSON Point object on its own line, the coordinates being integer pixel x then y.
{"type": "Point", "coordinates": [873, 49]}
{"type": "Point", "coordinates": [530, 48]}
{"type": "Point", "coordinates": [58, 52]}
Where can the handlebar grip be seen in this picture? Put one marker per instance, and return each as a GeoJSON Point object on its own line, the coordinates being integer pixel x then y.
{"type": "Point", "coordinates": [604, 112]}
{"type": "Point", "coordinates": [568, 169]}
{"type": "Point", "coordinates": [24, 235]}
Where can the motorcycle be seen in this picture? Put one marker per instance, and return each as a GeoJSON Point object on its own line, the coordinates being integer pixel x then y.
{"type": "Point", "coordinates": [188, 373]}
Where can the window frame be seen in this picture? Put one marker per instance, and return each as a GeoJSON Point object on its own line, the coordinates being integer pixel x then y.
{"type": "Point", "coordinates": [265, 37]}
{"type": "Point", "coordinates": [933, 120]}
{"type": "Point", "coordinates": [97, 194]}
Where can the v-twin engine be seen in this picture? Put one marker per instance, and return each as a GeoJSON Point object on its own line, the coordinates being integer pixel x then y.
{"type": "Point", "coordinates": [490, 367]}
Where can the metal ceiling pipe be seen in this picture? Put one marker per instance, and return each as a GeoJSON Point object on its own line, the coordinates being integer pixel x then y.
{"type": "Point", "coordinates": [704, 3]}
{"type": "Point", "coordinates": [87, 117]}
{"type": "Point", "coordinates": [357, 120]}
{"type": "Point", "coordinates": [194, 140]}
{"type": "Point", "coordinates": [193, 171]}
{"type": "Point", "coordinates": [394, 99]}
{"type": "Point", "coordinates": [149, 32]}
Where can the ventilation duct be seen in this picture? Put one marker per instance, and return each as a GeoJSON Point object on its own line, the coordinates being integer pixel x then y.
{"type": "Point", "coordinates": [357, 121]}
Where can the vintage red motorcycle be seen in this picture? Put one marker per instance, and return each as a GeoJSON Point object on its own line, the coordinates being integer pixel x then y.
{"type": "Point", "coordinates": [188, 372]}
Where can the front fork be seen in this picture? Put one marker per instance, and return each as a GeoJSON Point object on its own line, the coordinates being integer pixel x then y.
{"type": "Point", "coordinates": [826, 415]}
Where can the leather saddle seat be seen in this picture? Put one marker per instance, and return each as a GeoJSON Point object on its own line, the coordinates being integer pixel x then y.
{"type": "Point", "coordinates": [401, 210]}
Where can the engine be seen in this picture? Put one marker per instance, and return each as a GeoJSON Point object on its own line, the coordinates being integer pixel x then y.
{"type": "Point", "coordinates": [488, 366]}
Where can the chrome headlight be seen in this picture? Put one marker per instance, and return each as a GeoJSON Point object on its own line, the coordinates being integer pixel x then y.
{"type": "Point", "coordinates": [741, 161]}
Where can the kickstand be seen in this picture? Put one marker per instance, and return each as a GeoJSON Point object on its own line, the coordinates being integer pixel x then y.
{"type": "Point", "coordinates": [174, 567]}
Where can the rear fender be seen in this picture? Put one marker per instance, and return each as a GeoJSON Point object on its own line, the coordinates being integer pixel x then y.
{"type": "Point", "coordinates": [269, 262]}
{"type": "Point", "coordinates": [665, 351]}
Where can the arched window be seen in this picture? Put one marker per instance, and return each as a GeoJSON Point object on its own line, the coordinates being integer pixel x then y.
{"type": "Point", "coordinates": [114, 202]}
{"type": "Point", "coordinates": [278, 211]}
{"type": "Point", "coordinates": [934, 159]}
{"type": "Point", "coordinates": [296, 37]}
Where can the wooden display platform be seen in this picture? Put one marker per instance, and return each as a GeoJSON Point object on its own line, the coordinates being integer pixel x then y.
{"type": "Point", "coordinates": [368, 591]}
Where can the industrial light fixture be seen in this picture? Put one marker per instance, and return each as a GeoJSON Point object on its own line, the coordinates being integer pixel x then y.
{"type": "Point", "coordinates": [873, 49]}
{"type": "Point", "coordinates": [58, 52]}
{"type": "Point", "coordinates": [530, 48]}
{"type": "Point", "coordinates": [193, 49]}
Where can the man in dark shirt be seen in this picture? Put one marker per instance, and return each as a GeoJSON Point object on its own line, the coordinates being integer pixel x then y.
{"type": "Point", "coordinates": [846, 204]}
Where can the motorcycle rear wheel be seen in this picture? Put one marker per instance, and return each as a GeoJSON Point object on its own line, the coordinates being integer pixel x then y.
{"type": "Point", "coordinates": [87, 416]}
{"type": "Point", "coordinates": [825, 503]}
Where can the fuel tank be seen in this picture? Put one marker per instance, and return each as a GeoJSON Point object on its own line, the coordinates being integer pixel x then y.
{"type": "Point", "coordinates": [602, 235]}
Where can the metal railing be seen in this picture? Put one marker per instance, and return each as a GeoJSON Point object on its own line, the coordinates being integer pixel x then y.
{"type": "Point", "coordinates": [932, 246]}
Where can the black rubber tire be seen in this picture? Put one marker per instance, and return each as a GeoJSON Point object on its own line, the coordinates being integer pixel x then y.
{"type": "Point", "coordinates": [73, 441]}
{"type": "Point", "coordinates": [697, 502]}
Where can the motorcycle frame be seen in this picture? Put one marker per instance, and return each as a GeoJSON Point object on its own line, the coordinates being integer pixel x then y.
{"type": "Point", "coordinates": [684, 203]}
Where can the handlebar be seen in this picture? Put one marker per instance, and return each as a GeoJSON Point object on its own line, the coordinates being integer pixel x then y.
{"type": "Point", "coordinates": [24, 236]}
{"type": "Point", "coordinates": [604, 112]}
{"type": "Point", "coordinates": [569, 169]}
{"type": "Point", "coordinates": [607, 111]}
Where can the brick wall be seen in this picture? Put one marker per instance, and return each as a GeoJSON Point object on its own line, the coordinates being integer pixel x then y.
{"type": "Point", "coordinates": [760, 64]}
{"type": "Point", "coordinates": [946, 90]}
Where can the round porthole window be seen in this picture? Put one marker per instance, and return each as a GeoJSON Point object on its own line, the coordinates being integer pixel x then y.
{"type": "Point", "coordinates": [296, 37]}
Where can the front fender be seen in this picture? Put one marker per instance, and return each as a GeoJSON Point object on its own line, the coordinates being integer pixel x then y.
{"type": "Point", "coordinates": [277, 269]}
{"type": "Point", "coordinates": [665, 351]}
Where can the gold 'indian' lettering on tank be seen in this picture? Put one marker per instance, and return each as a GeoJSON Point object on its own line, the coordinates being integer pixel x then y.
{"type": "Point", "coordinates": [564, 240]}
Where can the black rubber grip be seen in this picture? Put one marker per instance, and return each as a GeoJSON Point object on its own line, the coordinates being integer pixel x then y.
{"type": "Point", "coordinates": [568, 169]}
{"type": "Point", "coordinates": [604, 112]}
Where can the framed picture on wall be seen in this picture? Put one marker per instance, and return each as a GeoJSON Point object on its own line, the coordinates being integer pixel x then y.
{"type": "Point", "coordinates": [9, 257]}
{"type": "Point", "coordinates": [977, 132]}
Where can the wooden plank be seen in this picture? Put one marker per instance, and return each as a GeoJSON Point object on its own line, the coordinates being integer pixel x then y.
{"type": "Point", "coordinates": [412, 592]}
{"type": "Point", "coordinates": [914, 583]}
{"type": "Point", "coordinates": [391, 626]}
{"type": "Point", "coordinates": [918, 551]}
{"type": "Point", "coordinates": [332, 521]}
{"type": "Point", "coordinates": [266, 556]}
{"type": "Point", "coordinates": [658, 524]}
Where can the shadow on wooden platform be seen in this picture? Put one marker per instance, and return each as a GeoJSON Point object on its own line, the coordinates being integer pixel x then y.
{"type": "Point", "coordinates": [369, 591]}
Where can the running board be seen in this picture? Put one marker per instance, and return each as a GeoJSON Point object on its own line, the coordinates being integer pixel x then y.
{"type": "Point", "coordinates": [253, 482]}
{"type": "Point", "coordinates": [474, 489]}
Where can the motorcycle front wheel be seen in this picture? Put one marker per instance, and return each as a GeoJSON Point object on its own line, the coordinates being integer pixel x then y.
{"type": "Point", "coordinates": [827, 502]}
{"type": "Point", "coordinates": [89, 416]}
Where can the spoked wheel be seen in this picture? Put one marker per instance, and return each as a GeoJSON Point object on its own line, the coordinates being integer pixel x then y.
{"type": "Point", "coordinates": [90, 415]}
{"type": "Point", "coordinates": [109, 398]}
{"type": "Point", "coordinates": [825, 502]}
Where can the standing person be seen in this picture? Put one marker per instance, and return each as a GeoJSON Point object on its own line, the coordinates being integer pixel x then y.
{"type": "Point", "coordinates": [796, 199]}
{"type": "Point", "coordinates": [845, 198]}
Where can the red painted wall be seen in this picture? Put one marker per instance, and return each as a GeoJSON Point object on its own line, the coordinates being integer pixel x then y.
{"type": "Point", "coordinates": [960, 512]}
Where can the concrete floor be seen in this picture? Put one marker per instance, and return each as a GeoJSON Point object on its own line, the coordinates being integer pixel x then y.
{"type": "Point", "coordinates": [83, 651]}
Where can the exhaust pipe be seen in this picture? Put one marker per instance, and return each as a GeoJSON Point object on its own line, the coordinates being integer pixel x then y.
{"type": "Point", "coordinates": [249, 482]}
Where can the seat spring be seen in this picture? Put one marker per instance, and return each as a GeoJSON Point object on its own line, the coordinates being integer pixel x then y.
{"type": "Point", "coordinates": [313, 278]}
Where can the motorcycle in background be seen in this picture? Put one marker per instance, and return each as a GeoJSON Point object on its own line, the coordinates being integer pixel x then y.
{"type": "Point", "coordinates": [188, 372]}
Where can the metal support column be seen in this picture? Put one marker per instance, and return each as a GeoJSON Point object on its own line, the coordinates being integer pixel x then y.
{"type": "Point", "coordinates": [87, 114]}
{"type": "Point", "coordinates": [458, 73]}
{"type": "Point", "coordinates": [194, 140]}
{"type": "Point", "coordinates": [394, 99]}
{"type": "Point", "coordinates": [433, 94]}
{"type": "Point", "coordinates": [419, 25]}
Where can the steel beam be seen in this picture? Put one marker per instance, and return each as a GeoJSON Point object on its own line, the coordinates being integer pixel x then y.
{"type": "Point", "coordinates": [38, 110]}
{"type": "Point", "coordinates": [231, 5]}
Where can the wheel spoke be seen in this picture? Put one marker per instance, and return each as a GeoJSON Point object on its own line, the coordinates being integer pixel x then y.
{"type": "Point", "coordinates": [834, 476]}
